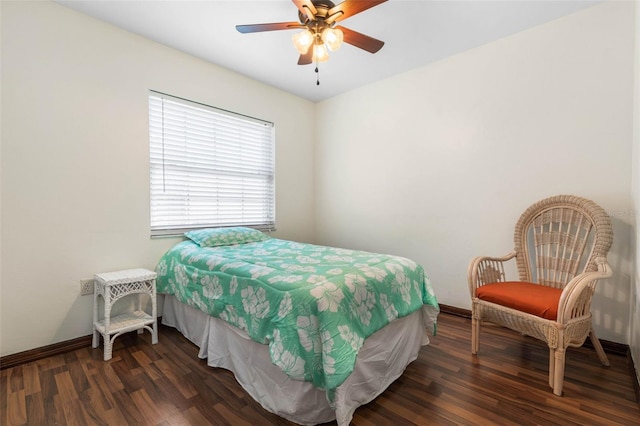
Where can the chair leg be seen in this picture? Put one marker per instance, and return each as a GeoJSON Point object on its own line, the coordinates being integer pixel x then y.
{"type": "Point", "coordinates": [552, 365]}
{"type": "Point", "coordinates": [475, 335]}
{"type": "Point", "coordinates": [558, 373]}
{"type": "Point", "coordinates": [598, 347]}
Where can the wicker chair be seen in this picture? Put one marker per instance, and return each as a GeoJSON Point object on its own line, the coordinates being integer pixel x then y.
{"type": "Point", "coordinates": [561, 244]}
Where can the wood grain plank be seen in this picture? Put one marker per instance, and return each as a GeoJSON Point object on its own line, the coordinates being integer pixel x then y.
{"type": "Point", "coordinates": [188, 417]}
{"type": "Point", "coordinates": [31, 378]}
{"type": "Point", "coordinates": [35, 409]}
{"type": "Point", "coordinates": [148, 408]}
{"type": "Point", "coordinates": [230, 415]}
{"type": "Point", "coordinates": [66, 388]}
{"type": "Point", "coordinates": [184, 386]}
{"type": "Point", "coordinates": [17, 408]}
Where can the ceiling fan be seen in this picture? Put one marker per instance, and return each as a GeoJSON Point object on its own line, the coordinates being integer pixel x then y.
{"type": "Point", "coordinates": [318, 19]}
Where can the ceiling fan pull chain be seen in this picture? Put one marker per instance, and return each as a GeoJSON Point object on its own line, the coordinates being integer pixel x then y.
{"type": "Point", "coordinates": [317, 75]}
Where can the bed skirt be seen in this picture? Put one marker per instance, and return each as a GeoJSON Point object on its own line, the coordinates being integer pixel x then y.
{"type": "Point", "coordinates": [382, 359]}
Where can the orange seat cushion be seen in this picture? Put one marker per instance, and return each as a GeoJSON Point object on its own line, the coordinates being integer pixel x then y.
{"type": "Point", "coordinates": [535, 299]}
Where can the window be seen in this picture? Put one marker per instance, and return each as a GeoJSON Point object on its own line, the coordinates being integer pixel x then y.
{"type": "Point", "coordinates": [209, 167]}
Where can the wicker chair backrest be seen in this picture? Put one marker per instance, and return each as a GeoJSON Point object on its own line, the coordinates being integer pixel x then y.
{"type": "Point", "coordinates": [560, 237]}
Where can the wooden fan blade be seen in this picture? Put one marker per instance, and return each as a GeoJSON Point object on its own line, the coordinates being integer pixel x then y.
{"type": "Point", "coordinates": [360, 40]}
{"type": "Point", "coordinates": [349, 8]}
{"type": "Point", "coordinates": [256, 28]}
{"type": "Point", "coordinates": [306, 8]}
{"type": "Point", "coordinates": [307, 58]}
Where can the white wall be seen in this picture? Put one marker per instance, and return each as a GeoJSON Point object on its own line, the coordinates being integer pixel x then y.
{"type": "Point", "coordinates": [634, 341]}
{"type": "Point", "coordinates": [74, 160]}
{"type": "Point", "coordinates": [437, 164]}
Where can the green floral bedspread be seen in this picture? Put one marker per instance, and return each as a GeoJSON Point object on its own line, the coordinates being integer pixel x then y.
{"type": "Point", "coordinates": [313, 305]}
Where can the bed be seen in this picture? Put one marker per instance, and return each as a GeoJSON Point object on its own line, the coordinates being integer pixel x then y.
{"type": "Point", "coordinates": [310, 332]}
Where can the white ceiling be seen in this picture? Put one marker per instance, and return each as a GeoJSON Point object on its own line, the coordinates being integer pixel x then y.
{"type": "Point", "coordinates": [415, 32]}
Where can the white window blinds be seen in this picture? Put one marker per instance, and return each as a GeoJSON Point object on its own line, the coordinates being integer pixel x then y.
{"type": "Point", "coordinates": [209, 167]}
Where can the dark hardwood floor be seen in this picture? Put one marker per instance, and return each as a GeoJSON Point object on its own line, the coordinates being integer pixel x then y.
{"type": "Point", "coordinates": [166, 384]}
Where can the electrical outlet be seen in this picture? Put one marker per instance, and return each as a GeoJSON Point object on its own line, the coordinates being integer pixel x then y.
{"type": "Point", "coordinates": [86, 287]}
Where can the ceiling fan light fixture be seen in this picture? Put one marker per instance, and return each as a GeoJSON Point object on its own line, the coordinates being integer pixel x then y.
{"type": "Point", "coordinates": [320, 33]}
{"type": "Point", "coordinates": [333, 38]}
{"type": "Point", "coordinates": [320, 53]}
{"type": "Point", "coordinates": [302, 41]}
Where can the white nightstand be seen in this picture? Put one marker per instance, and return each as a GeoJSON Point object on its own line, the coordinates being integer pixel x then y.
{"type": "Point", "coordinates": [113, 286]}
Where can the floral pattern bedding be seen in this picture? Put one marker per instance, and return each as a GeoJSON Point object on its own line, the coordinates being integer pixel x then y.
{"type": "Point", "coordinates": [313, 305]}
